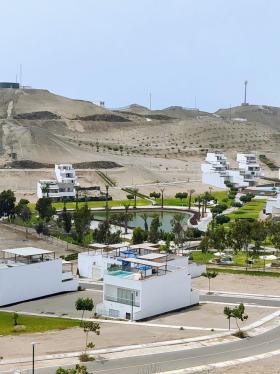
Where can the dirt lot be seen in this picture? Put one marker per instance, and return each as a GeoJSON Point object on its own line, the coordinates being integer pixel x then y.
{"type": "Point", "coordinates": [240, 283]}
{"type": "Point", "coordinates": [112, 335]}
{"type": "Point", "coordinates": [209, 316]}
{"type": "Point", "coordinates": [11, 238]}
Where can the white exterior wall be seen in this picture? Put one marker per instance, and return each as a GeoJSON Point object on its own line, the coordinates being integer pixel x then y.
{"type": "Point", "coordinates": [157, 294]}
{"type": "Point", "coordinates": [273, 206]}
{"type": "Point", "coordinates": [214, 179]}
{"type": "Point", "coordinates": [31, 281]}
{"type": "Point", "coordinates": [87, 261]}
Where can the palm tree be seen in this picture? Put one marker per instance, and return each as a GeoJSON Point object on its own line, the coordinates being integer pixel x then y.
{"type": "Point", "coordinates": [177, 225]}
{"type": "Point", "coordinates": [191, 191]}
{"type": "Point", "coordinates": [162, 191]}
{"type": "Point", "coordinates": [46, 189]}
{"type": "Point", "coordinates": [135, 192]}
{"type": "Point", "coordinates": [144, 217]}
{"type": "Point", "coordinates": [210, 275]}
{"type": "Point", "coordinates": [77, 189]}
{"type": "Point", "coordinates": [199, 201]}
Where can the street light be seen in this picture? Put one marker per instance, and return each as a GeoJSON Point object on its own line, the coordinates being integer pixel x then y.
{"type": "Point", "coordinates": [33, 356]}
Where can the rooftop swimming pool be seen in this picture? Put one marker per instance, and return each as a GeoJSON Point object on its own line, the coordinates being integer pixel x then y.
{"type": "Point", "coordinates": [120, 273]}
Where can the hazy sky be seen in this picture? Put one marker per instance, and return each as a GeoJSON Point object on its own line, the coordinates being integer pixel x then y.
{"type": "Point", "coordinates": [120, 50]}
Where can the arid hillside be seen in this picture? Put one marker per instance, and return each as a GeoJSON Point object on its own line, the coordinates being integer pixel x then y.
{"type": "Point", "coordinates": [152, 146]}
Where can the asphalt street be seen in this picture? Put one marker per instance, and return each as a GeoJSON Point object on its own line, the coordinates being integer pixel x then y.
{"type": "Point", "coordinates": [154, 363]}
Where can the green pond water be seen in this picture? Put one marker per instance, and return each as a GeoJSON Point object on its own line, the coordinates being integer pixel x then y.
{"type": "Point", "coordinates": [164, 217]}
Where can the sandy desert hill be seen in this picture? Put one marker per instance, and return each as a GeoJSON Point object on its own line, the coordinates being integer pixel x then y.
{"type": "Point", "coordinates": [152, 146]}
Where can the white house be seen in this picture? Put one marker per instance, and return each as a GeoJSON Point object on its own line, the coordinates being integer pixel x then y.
{"type": "Point", "coordinates": [216, 171]}
{"type": "Point", "coordinates": [249, 167]}
{"type": "Point", "coordinates": [63, 186]}
{"type": "Point", "coordinates": [273, 206]}
{"type": "Point", "coordinates": [95, 264]}
{"type": "Point", "coordinates": [145, 287]}
{"type": "Point", "coordinates": [29, 273]}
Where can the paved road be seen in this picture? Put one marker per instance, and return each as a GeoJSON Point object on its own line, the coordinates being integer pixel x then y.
{"type": "Point", "coordinates": [154, 363]}
{"type": "Point", "coordinates": [241, 299]}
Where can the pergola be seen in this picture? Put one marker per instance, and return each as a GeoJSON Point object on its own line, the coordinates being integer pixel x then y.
{"type": "Point", "coordinates": [28, 253]}
{"type": "Point", "coordinates": [152, 264]}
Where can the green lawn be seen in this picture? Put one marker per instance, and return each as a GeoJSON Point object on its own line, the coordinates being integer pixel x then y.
{"type": "Point", "coordinates": [201, 257]}
{"type": "Point", "coordinates": [249, 210]}
{"type": "Point", "coordinates": [34, 324]}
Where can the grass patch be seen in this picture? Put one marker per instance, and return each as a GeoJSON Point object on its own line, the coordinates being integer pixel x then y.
{"type": "Point", "coordinates": [247, 272]}
{"type": "Point", "coordinates": [34, 324]}
{"type": "Point", "coordinates": [199, 256]}
{"type": "Point", "coordinates": [250, 210]}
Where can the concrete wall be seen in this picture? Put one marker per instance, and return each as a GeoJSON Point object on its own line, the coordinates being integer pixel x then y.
{"type": "Point", "coordinates": [86, 262]}
{"type": "Point", "coordinates": [35, 280]}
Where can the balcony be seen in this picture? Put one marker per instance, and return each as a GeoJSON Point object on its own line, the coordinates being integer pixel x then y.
{"type": "Point", "coordinates": [122, 300]}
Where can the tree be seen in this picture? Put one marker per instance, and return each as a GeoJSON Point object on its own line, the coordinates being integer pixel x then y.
{"type": "Point", "coordinates": [135, 193]}
{"type": "Point", "coordinates": [154, 229]}
{"type": "Point", "coordinates": [240, 234]}
{"type": "Point", "coordinates": [22, 203]}
{"type": "Point", "coordinates": [177, 227]}
{"type": "Point", "coordinates": [181, 196]}
{"type": "Point", "coordinates": [198, 200]}
{"type": "Point", "coordinates": [67, 220]}
{"type": "Point", "coordinates": [238, 313]}
{"type": "Point", "coordinates": [155, 195]}
{"type": "Point", "coordinates": [221, 219]}
{"type": "Point", "coordinates": [45, 209]}
{"type": "Point", "coordinates": [258, 233]}
{"type": "Point", "coordinates": [209, 275]}
{"type": "Point", "coordinates": [25, 215]}
{"type": "Point", "coordinates": [78, 370]}
{"type": "Point", "coordinates": [102, 234]}
{"type": "Point", "coordinates": [145, 217]}
{"type": "Point", "coordinates": [228, 314]}
{"type": "Point", "coordinates": [89, 326]}
{"type": "Point", "coordinates": [138, 236]}
{"type": "Point", "coordinates": [218, 238]}
{"type": "Point", "coordinates": [191, 191]}
{"type": "Point", "coordinates": [41, 228]}
{"type": "Point", "coordinates": [122, 219]}
{"type": "Point", "coordinates": [204, 245]}
{"type": "Point", "coordinates": [84, 304]}
{"type": "Point", "coordinates": [7, 203]}
{"type": "Point", "coordinates": [77, 190]}
{"type": "Point", "coordinates": [274, 233]}
{"type": "Point", "coordinates": [46, 189]}
{"type": "Point", "coordinates": [82, 220]}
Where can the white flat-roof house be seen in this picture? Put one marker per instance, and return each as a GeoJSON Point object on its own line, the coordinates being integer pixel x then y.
{"type": "Point", "coordinates": [249, 167]}
{"type": "Point", "coordinates": [216, 171]}
{"type": "Point", "coordinates": [145, 287]}
{"type": "Point", "coordinates": [29, 273]}
{"type": "Point", "coordinates": [62, 187]}
{"type": "Point", "coordinates": [273, 206]}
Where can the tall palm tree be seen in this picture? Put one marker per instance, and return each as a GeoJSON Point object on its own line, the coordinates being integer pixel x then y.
{"type": "Point", "coordinates": [46, 189]}
{"type": "Point", "coordinates": [144, 217]}
{"type": "Point", "coordinates": [177, 227]}
{"type": "Point", "coordinates": [135, 192]}
{"type": "Point", "coordinates": [162, 191]}
{"type": "Point", "coordinates": [77, 190]}
{"type": "Point", "coordinates": [191, 191]}
{"type": "Point", "coordinates": [199, 201]}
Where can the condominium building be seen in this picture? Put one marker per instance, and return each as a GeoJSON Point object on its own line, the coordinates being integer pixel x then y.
{"type": "Point", "coordinates": [62, 187]}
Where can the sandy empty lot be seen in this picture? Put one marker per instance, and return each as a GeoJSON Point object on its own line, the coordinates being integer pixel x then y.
{"type": "Point", "coordinates": [240, 283]}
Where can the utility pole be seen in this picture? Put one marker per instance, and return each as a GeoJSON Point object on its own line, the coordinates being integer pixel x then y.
{"type": "Point", "coordinates": [245, 92]}
{"type": "Point", "coordinates": [150, 101]}
{"type": "Point", "coordinates": [132, 302]}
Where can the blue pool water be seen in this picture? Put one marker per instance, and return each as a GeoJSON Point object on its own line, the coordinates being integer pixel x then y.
{"type": "Point", "coordinates": [120, 273]}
